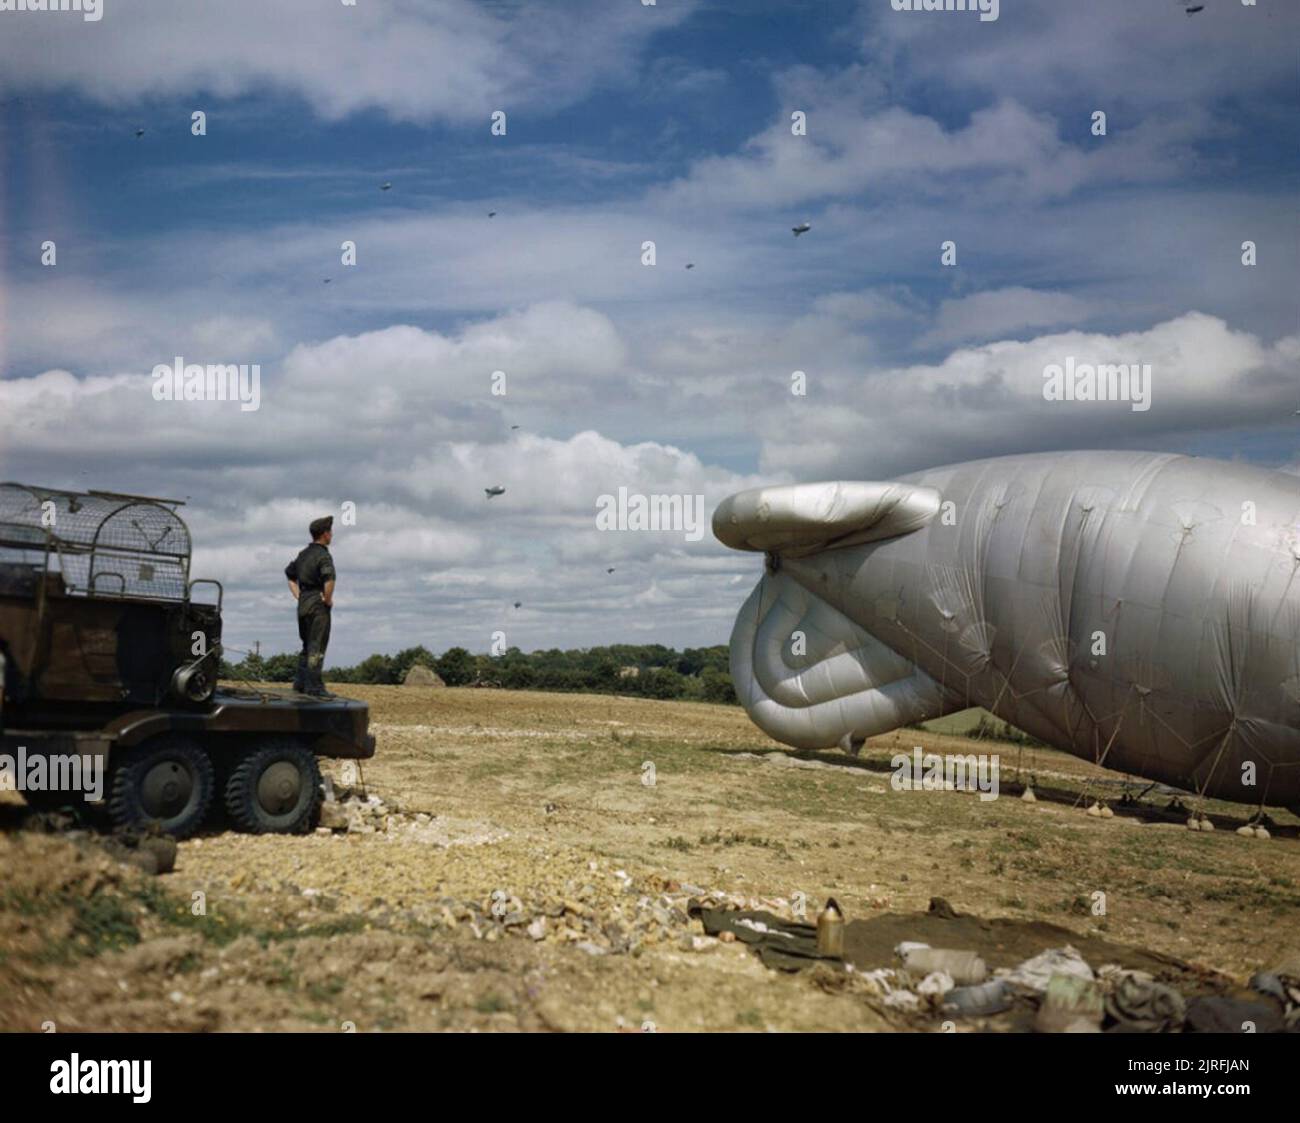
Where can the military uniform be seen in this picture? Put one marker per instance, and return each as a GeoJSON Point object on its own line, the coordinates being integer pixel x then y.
{"type": "Point", "coordinates": [311, 569]}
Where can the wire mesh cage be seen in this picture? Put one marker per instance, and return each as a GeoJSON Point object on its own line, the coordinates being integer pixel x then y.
{"type": "Point", "coordinates": [99, 543]}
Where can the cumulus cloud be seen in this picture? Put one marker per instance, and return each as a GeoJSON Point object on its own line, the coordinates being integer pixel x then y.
{"type": "Point", "coordinates": [1004, 150]}
{"type": "Point", "coordinates": [989, 400]}
{"type": "Point", "coordinates": [1145, 53]}
{"type": "Point", "coordinates": [350, 394]}
{"type": "Point", "coordinates": [1000, 312]}
{"type": "Point", "coordinates": [402, 423]}
{"type": "Point", "coordinates": [454, 61]}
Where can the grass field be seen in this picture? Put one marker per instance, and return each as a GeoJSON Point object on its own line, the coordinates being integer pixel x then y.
{"type": "Point", "coordinates": [531, 877]}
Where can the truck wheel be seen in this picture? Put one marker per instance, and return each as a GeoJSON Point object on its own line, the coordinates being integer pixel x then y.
{"type": "Point", "coordinates": [167, 780]}
{"type": "Point", "coordinates": [275, 789]}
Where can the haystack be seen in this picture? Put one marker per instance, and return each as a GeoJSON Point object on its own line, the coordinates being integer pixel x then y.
{"type": "Point", "coordinates": [420, 675]}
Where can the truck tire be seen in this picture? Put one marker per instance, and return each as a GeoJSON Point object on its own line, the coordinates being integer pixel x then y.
{"type": "Point", "coordinates": [275, 788]}
{"type": "Point", "coordinates": [167, 780]}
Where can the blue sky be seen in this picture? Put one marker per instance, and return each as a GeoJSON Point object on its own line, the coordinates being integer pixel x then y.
{"type": "Point", "coordinates": [625, 123]}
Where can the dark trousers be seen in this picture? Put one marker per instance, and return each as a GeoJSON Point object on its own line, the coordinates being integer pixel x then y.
{"type": "Point", "coordinates": [314, 631]}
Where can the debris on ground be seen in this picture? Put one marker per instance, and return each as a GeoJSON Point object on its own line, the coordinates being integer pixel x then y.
{"type": "Point", "coordinates": [1053, 990]}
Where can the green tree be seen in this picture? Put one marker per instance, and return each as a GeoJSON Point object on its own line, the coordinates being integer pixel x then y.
{"type": "Point", "coordinates": [518, 676]}
{"type": "Point", "coordinates": [251, 668]}
{"type": "Point", "coordinates": [718, 687]}
{"type": "Point", "coordinates": [662, 682]}
{"type": "Point", "coordinates": [603, 677]}
{"type": "Point", "coordinates": [281, 668]}
{"type": "Point", "coordinates": [403, 661]}
{"type": "Point", "coordinates": [456, 666]}
{"type": "Point", "coordinates": [377, 669]}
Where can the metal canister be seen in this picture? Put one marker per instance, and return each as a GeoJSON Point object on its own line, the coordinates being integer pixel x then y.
{"type": "Point", "coordinates": [830, 930]}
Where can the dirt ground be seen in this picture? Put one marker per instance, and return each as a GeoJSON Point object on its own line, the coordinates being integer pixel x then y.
{"type": "Point", "coordinates": [526, 861]}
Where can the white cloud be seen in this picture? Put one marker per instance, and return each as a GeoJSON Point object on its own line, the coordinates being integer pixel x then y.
{"type": "Point", "coordinates": [1123, 52]}
{"type": "Point", "coordinates": [453, 60]}
{"type": "Point", "coordinates": [892, 302]}
{"type": "Point", "coordinates": [988, 401]}
{"type": "Point", "coordinates": [1003, 151]}
{"type": "Point", "coordinates": [1000, 312]}
{"type": "Point", "coordinates": [224, 336]}
{"type": "Point", "coordinates": [401, 422]}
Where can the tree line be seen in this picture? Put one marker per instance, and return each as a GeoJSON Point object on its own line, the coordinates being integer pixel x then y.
{"type": "Point", "coordinates": [699, 674]}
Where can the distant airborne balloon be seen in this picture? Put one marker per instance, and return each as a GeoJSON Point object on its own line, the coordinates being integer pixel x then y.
{"type": "Point", "coordinates": [1138, 610]}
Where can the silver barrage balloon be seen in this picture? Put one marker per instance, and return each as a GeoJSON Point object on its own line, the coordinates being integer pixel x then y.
{"type": "Point", "coordinates": [1138, 610]}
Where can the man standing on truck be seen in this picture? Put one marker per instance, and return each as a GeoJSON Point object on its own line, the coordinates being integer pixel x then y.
{"type": "Point", "coordinates": [311, 580]}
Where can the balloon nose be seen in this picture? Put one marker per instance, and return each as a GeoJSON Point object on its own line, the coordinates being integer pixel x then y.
{"type": "Point", "coordinates": [795, 520]}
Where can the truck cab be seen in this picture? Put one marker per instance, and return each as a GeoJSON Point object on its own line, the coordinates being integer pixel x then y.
{"type": "Point", "coordinates": [110, 660]}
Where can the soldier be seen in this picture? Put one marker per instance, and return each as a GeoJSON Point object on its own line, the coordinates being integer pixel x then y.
{"type": "Point", "coordinates": [311, 580]}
